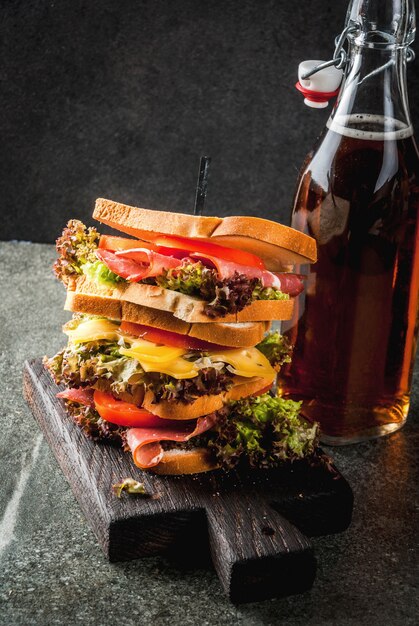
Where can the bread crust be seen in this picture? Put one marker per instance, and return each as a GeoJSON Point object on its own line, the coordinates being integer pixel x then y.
{"type": "Point", "coordinates": [145, 223]}
{"type": "Point", "coordinates": [157, 304]}
{"type": "Point", "coordinates": [204, 404]}
{"type": "Point", "coordinates": [93, 305]}
{"type": "Point", "coordinates": [109, 304]}
{"type": "Point", "coordinates": [270, 240]}
{"type": "Point", "coordinates": [191, 309]}
{"type": "Point", "coordinates": [178, 462]}
{"type": "Point", "coordinates": [276, 244]}
{"type": "Point", "coordinates": [236, 335]}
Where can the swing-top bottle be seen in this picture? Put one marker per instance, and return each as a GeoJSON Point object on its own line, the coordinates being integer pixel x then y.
{"type": "Point", "coordinates": [355, 328]}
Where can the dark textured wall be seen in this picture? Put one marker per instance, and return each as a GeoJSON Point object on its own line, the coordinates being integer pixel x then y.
{"type": "Point", "coordinates": [120, 98]}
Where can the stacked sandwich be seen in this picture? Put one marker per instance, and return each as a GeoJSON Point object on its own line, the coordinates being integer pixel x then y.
{"type": "Point", "coordinates": [168, 350]}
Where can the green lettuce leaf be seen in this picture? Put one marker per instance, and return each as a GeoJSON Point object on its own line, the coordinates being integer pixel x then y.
{"type": "Point", "coordinates": [93, 426]}
{"type": "Point", "coordinates": [192, 279]}
{"type": "Point", "coordinates": [276, 348]}
{"type": "Point", "coordinates": [229, 295]}
{"type": "Point", "coordinates": [89, 363]}
{"type": "Point", "coordinates": [85, 364]}
{"type": "Point", "coordinates": [268, 293]}
{"type": "Point", "coordinates": [263, 432]}
{"type": "Point", "coordinates": [100, 273]}
{"type": "Point", "coordinates": [76, 246]}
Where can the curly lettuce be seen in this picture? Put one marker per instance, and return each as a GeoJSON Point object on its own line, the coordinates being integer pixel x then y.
{"type": "Point", "coordinates": [192, 279]}
{"type": "Point", "coordinates": [229, 295]}
{"type": "Point", "coordinates": [263, 432]}
{"type": "Point", "coordinates": [209, 381]}
{"type": "Point", "coordinates": [100, 364]}
{"type": "Point", "coordinates": [76, 247]}
{"type": "Point", "coordinates": [93, 426]}
{"type": "Point", "coordinates": [268, 293]}
{"type": "Point", "coordinates": [276, 348]}
{"type": "Point", "coordinates": [100, 273]}
{"type": "Point", "coordinates": [86, 364]}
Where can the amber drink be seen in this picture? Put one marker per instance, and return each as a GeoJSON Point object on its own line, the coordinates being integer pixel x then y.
{"type": "Point", "coordinates": [355, 328]}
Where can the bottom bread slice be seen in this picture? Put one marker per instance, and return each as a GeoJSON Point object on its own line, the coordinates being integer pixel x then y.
{"type": "Point", "coordinates": [177, 462]}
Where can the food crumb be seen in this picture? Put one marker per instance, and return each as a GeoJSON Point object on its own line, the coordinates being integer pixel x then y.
{"type": "Point", "coordinates": [131, 486]}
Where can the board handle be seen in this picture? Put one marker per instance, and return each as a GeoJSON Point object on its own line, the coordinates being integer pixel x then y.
{"type": "Point", "coordinates": [256, 552]}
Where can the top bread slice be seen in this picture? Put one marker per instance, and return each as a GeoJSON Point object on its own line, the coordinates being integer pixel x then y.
{"type": "Point", "coordinates": [277, 245]}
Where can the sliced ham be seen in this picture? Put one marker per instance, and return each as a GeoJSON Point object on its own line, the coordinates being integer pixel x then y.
{"type": "Point", "coordinates": [144, 443]}
{"type": "Point", "coordinates": [292, 284]}
{"type": "Point", "coordinates": [137, 263]}
{"type": "Point", "coordinates": [126, 268]}
{"type": "Point", "coordinates": [227, 269]}
{"type": "Point", "coordinates": [155, 261]}
{"type": "Point", "coordinates": [78, 394]}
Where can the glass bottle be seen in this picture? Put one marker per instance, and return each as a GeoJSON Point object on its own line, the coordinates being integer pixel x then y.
{"type": "Point", "coordinates": [355, 328]}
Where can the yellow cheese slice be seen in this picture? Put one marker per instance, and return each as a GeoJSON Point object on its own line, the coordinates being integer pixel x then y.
{"type": "Point", "coordinates": [94, 330]}
{"type": "Point", "coordinates": [246, 362]}
{"type": "Point", "coordinates": [98, 329]}
{"type": "Point", "coordinates": [178, 368]}
{"type": "Point", "coordinates": [152, 352]}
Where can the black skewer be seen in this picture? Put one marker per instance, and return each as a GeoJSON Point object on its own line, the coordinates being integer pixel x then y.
{"type": "Point", "coordinates": [202, 185]}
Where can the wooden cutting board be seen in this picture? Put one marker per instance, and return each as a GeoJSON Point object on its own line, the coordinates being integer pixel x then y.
{"type": "Point", "coordinates": [254, 524]}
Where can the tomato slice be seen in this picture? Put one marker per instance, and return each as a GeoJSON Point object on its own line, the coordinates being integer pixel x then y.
{"type": "Point", "coordinates": [114, 244]}
{"type": "Point", "coordinates": [181, 247]}
{"type": "Point", "coordinates": [169, 338]}
{"type": "Point", "coordinates": [126, 414]}
{"type": "Point", "coordinates": [117, 244]}
{"type": "Point", "coordinates": [206, 247]}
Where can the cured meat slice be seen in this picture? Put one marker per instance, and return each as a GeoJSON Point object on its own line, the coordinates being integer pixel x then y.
{"type": "Point", "coordinates": [137, 263]}
{"type": "Point", "coordinates": [226, 269]}
{"type": "Point", "coordinates": [144, 443]}
{"type": "Point", "coordinates": [78, 394]}
{"type": "Point", "coordinates": [292, 284]}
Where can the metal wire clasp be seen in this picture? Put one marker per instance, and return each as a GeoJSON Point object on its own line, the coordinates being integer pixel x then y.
{"type": "Point", "coordinates": [340, 56]}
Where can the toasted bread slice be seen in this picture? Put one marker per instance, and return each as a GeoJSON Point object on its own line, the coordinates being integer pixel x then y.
{"type": "Point", "coordinates": [205, 404]}
{"type": "Point", "coordinates": [279, 246]}
{"type": "Point", "coordinates": [145, 223]}
{"type": "Point", "coordinates": [177, 462]}
{"type": "Point", "coordinates": [86, 295]}
{"type": "Point", "coordinates": [88, 298]}
{"type": "Point", "coordinates": [191, 309]}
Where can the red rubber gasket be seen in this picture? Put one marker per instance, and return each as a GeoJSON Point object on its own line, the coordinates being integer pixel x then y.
{"type": "Point", "coordinates": [316, 96]}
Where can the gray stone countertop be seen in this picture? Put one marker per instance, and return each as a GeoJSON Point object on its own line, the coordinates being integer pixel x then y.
{"type": "Point", "coordinates": [53, 572]}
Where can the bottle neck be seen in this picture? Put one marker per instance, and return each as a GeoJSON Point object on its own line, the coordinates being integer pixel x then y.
{"type": "Point", "coordinates": [383, 22]}
{"type": "Point", "coordinates": [373, 102]}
